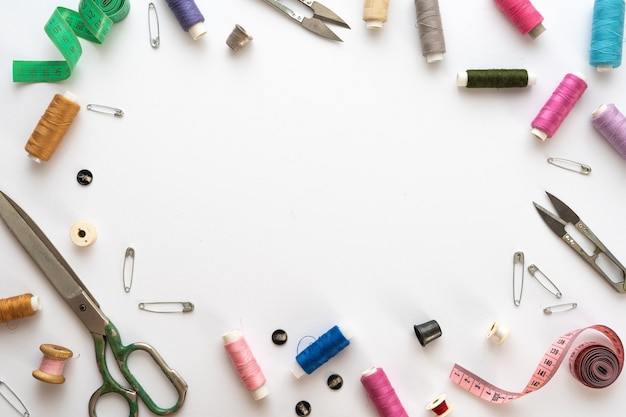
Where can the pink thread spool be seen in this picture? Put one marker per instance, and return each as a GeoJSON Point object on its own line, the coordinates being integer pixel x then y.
{"type": "Point", "coordinates": [382, 394]}
{"type": "Point", "coordinates": [245, 364]}
{"type": "Point", "coordinates": [558, 106]}
{"type": "Point", "coordinates": [611, 124]}
{"type": "Point", "coordinates": [439, 406]}
{"type": "Point", "coordinates": [523, 15]}
{"type": "Point", "coordinates": [52, 364]}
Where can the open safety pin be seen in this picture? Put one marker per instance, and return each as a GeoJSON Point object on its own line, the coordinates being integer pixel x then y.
{"type": "Point", "coordinates": [163, 306]}
{"type": "Point", "coordinates": [14, 396]}
{"type": "Point", "coordinates": [99, 108]}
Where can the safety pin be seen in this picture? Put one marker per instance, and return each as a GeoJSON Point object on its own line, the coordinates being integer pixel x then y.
{"type": "Point", "coordinates": [128, 269]}
{"type": "Point", "coordinates": [99, 108]}
{"type": "Point", "coordinates": [153, 22]}
{"type": "Point", "coordinates": [541, 277]}
{"type": "Point", "coordinates": [163, 306]}
{"type": "Point", "coordinates": [518, 277]}
{"type": "Point", "coordinates": [570, 165]}
{"type": "Point", "coordinates": [558, 308]}
{"type": "Point", "coordinates": [5, 387]}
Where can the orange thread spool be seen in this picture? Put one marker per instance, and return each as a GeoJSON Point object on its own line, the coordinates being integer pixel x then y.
{"type": "Point", "coordinates": [52, 127]}
{"type": "Point", "coordinates": [18, 307]}
{"type": "Point", "coordinates": [52, 364]}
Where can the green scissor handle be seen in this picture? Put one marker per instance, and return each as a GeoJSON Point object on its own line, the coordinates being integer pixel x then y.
{"type": "Point", "coordinates": [121, 353]}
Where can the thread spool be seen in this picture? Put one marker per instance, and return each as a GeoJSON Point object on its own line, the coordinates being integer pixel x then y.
{"type": "Point", "coordinates": [498, 332]}
{"type": "Point", "coordinates": [427, 332]}
{"type": "Point", "coordinates": [189, 17]}
{"type": "Point", "coordinates": [245, 364]}
{"type": "Point", "coordinates": [382, 394]}
{"type": "Point", "coordinates": [558, 106]}
{"type": "Point", "coordinates": [19, 306]}
{"type": "Point", "coordinates": [83, 233]}
{"type": "Point", "coordinates": [430, 30]}
{"type": "Point", "coordinates": [523, 15]}
{"type": "Point", "coordinates": [496, 78]}
{"type": "Point", "coordinates": [611, 124]}
{"type": "Point", "coordinates": [52, 364]}
{"type": "Point", "coordinates": [375, 13]}
{"type": "Point", "coordinates": [322, 350]}
{"type": "Point", "coordinates": [439, 406]}
{"type": "Point", "coordinates": [607, 33]}
{"type": "Point", "coordinates": [52, 127]}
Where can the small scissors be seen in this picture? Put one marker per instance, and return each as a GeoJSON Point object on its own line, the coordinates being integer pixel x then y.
{"type": "Point", "coordinates": [567, 216]}
{"type": "Point", "coordinates": [82, 303]}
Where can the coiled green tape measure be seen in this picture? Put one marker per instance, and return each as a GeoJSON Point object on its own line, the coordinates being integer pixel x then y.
{"type": "Point", "coordinates": [92, 22]}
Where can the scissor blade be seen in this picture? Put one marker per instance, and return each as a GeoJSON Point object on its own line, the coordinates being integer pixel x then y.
{"type": "Point", "coordinates": [563, 210]}
{"type": "Point", "coordinates": [51, 263]}
{"type": "Point", "coordinates": [322, 12]}
{"type": "Point", "coordinates": [318, 27]}
{"type": "Point", "coordinates": [554, 223]}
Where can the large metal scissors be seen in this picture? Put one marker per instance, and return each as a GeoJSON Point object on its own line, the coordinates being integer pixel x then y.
{"type": "Point", "coordinates": [83, 304]}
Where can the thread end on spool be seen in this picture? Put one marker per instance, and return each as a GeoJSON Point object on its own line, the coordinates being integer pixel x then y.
{"type": "Point", "coordinates": [231, 336]}
{"type": "Point", "coordinates": [260, 393]}
{"type": "Point", "coordinates": [604, 68]}
{"type": "Point", "coordinates": [599, 110]}
{"type": "Point", "coordinates": [297, 370]}
{"type": "Point", "coordinates": [461, 79]}
{"type": "Point", "coordinates": [197, 31]}
{"type": "Point", "coordinates": [35, 303]}
{"type": "Point", "coordinates": [434, 57]}
{"type": "Point", "coordinates": [374, 24]}
{"type": "Point", "coordinates": [537, 30]}
{"type": "Point", "coordinates": [539, 134]}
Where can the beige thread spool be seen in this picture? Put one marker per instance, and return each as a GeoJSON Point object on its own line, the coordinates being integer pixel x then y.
{"type": "Point", "coordinates": [238, 38]}
{"type": "Point", "coordinates": [375, 13]}
{"type": "Point", "coordinates": [498, 332]}
{"type": "Point", "coordinates": [20, 306]}
{"type": "Point", "coordinates": [52, 127]}
{"type": "Point", "coordinates": [52, 363]}
{"type": "Point", "coordinates": [83, 233]}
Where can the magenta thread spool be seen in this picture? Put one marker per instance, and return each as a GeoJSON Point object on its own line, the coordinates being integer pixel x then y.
{"type": "Point", "coordinates": [558, 106]}
{"type": "Point", "coordinates": [382, 394]}
{"type": "Point", "coordinates": [523, 15]}
{"type": "Point", "coordinates": [245, 364]}
{"type": "Point", "coordinates": [611, 124]}
{"type": "Point", "coordinates": [427, 332]}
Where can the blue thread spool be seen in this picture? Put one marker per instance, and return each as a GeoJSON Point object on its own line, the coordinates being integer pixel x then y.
{"type": "Point", "coordinates": [607, 34]}
{"type": "Point", "coordinates": [322, 350]}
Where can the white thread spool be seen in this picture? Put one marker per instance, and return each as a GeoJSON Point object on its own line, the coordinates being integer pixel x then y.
{"type": "Point", "coordinates": [498, 332]}
{"type": "Point", "coordinates": [83, 233]}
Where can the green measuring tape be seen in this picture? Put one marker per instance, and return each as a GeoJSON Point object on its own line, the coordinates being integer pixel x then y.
{"type": "Point", "coordinates": [92, 22]}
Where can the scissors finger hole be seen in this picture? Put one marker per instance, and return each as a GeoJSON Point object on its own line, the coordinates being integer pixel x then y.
{"type": "Point", "coordinates": [153, 381]}
{"type": "Point", "coordinates": [110, 405]}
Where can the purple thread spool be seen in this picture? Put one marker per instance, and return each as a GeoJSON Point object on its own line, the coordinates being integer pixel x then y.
{"type": "Point", "coordinates": [611, 124]}
{"type": "Point", "coordinates": [558, 106]}
{"type": "Point", "coordinates": [189, 17]}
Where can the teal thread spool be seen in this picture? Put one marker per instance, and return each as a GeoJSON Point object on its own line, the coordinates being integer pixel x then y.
{"type": "Point", "coordinates": [495, 78]}
{"type": "Point", "coordinates": [607, 33]}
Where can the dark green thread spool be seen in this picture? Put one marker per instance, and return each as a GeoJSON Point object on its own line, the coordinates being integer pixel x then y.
{"type": "Point", "coordinates": [496, 78]}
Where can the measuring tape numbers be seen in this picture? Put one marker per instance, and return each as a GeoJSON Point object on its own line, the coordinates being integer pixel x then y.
{"type": "Point", "coordinates": [92, 22]}
{"type": "Point", "coordinates": [593, 364]}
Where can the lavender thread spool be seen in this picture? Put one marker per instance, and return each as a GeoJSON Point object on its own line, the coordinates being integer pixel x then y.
{"type": "Point", "coordinates": [189, 17]}
{"type": "Point", "coordinates": [611, 124]}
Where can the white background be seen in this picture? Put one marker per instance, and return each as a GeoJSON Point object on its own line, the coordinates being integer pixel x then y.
{"type": "Point", "coordinates": [302, 183]}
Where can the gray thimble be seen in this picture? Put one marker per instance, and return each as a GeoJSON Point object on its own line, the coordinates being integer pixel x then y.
{"type": "Point", "coordinates": [238, 38]}
{"type": "Point", "coordinates": [427, 332]}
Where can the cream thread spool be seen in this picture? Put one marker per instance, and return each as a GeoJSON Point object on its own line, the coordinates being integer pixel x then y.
{"type": "Point", "coordinates": [52, 364]}
{"type": "Point", "coordinates": [498, 332]}
{"type": "Point", "coordinates": [20, 306]}
{"type": "Point", "coordinates": [375, 13]}
{"type": "Point", "coordinates": [83, 233]}
{"type": "Point", "coordinates": [52, 127]}
{"type": "Point", "coordinates": [439, 406]}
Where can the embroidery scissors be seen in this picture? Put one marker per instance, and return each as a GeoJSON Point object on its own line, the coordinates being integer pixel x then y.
{"type": "Point", "coordinates": [314, 24]}
{"type": "Point", "coordinates": [82, 303]}
{"type": "Point", "coordinates": [567, 216]}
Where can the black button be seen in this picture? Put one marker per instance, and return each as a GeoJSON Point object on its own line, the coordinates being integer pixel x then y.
{"type": "Point", "coordinates": [279, 337]}
{"type": "Point", "coordinates": [84, 177]}
{"type": "Point", "coordinates": [303, 408]}
{"type": "Point", "coordinates": [334, 381]}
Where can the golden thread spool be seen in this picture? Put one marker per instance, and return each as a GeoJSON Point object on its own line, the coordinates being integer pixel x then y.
{"type": "Point", "coordinates": [375, 13]}
{"type": "Point", "coordinates": [52, 127]}
{"type": "Point", "coordinates": [18, 307]}
{"type": "Point", "coordinates": [52, 363]}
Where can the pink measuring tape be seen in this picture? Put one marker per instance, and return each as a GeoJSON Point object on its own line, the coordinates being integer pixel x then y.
{"type": "Point", "coordinates": [593, 364]}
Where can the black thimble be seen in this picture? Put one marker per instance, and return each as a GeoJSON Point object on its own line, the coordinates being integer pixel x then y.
{"type": "Point", "coordinates": [427, 332]}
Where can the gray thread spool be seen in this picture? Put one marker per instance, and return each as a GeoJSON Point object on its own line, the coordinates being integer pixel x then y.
{"type": "Point", "coordinates": [427, 332]}
{"type": "Point", "coordinates": [430, 30]}
{"type": "Point", "coordinates": [238, 38]}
